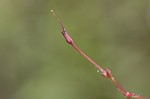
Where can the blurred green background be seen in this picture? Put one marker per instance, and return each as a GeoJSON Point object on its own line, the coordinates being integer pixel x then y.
{"type": "Point", "coordinates": [37, 63]}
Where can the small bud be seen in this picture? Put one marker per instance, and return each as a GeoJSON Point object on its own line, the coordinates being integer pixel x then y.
{"type": "Point", "coordinates": [106, 73]}
{"type": "Point", "coordinates": [64, 32]}
{"type": "Point", "coordinates": [67, 37]}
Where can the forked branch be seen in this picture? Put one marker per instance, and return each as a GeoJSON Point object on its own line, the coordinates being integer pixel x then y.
{"type": "Point", "coordinates": [105, 72]}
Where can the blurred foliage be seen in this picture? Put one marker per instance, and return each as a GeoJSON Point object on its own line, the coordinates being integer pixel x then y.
{"type": "Point", "coordinates": [37, 63]}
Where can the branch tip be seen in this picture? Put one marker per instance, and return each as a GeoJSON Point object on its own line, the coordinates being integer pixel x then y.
{"type": "Point", "coordinates": [63, 30]}
{"type": "Point", "coordinates": [105, 72]}
{"type": "Point", "coordinates": [52, 11]}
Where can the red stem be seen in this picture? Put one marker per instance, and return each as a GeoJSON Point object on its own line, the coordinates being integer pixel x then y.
{"type": "Point", "coordinates": [89, 59]}
{"type": "Point", "coordinates": [105, 73]}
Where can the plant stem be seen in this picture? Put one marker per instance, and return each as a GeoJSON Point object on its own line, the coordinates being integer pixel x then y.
{"type": "Point", "coordinates": [105, 72]}
{"type": "Point", "coordinates": [89, 59]}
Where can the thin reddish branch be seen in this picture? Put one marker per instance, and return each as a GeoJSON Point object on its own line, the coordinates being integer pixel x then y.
{"type": "Point", "coordinates": [105, 72]}
{"type": "Point", "coordinates": [89, 59]}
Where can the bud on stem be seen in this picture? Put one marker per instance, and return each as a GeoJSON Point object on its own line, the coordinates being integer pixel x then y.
{"type": "Point", "coordinates": [63, 30]}
{"type": "Point", "coordinates": [105, 73]}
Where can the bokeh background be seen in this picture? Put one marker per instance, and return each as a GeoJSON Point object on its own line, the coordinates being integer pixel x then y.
{"type": "Point", "coordinates": [37, 63]}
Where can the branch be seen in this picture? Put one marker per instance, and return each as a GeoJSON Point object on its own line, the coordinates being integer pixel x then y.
{"type": "Point", "coordinates": [105, 72]}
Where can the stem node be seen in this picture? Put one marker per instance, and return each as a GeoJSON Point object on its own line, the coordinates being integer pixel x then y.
{"type": "Point", "coordinates": [105, 73]}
